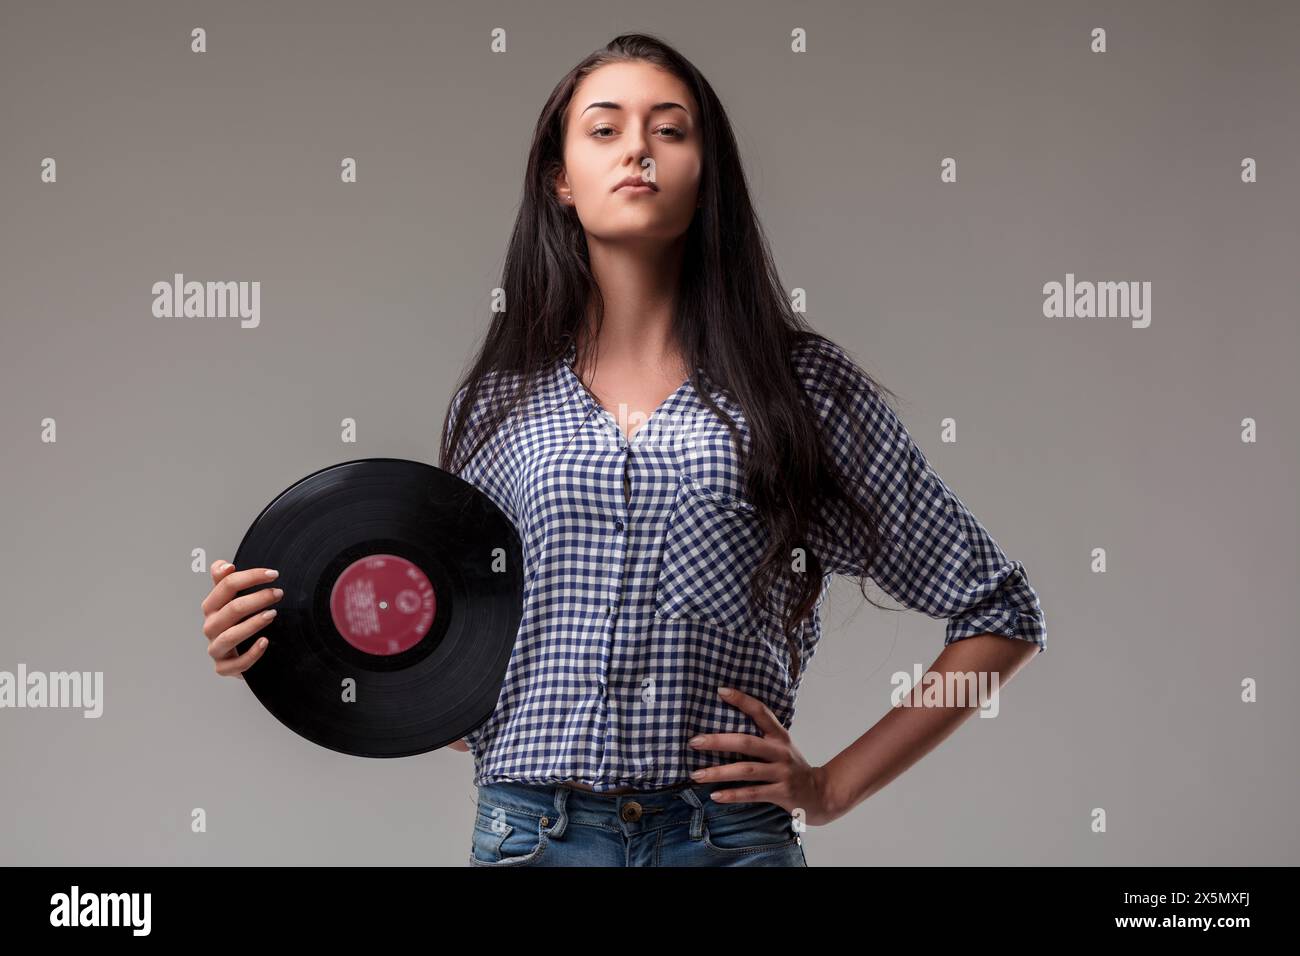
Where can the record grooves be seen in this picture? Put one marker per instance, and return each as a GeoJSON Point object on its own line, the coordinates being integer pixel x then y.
{"type": "Point", "coordinates": [403, 593]}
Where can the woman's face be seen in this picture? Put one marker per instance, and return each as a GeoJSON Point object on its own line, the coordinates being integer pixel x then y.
{"type": "Point", "coordinates": [631, 120]}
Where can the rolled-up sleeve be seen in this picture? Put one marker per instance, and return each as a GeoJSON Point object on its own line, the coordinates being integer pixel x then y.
{"type": "Point", "coordinates": [936, 557]}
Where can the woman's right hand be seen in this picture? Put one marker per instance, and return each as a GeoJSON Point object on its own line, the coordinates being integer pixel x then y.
{"type": "Point", "coordinates": [228, 620]}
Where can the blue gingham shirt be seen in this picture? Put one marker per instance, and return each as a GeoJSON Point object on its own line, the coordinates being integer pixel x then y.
{"type": "Point", "coordinates": [637, 559]}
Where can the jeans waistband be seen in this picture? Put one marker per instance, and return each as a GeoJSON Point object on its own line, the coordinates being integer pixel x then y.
{"type": "Point", "coordinates": [557, 802]}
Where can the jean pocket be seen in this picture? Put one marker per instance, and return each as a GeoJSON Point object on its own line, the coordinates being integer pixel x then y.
{"type": "Point", "coordinates": [712, 547]}
{"type": "Point", "coordinates": [752, 828]}
{"type": "Point", "coordinates": [507, 836]}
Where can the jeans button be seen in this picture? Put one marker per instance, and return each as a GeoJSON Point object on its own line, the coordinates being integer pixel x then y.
{"type": "Point", "coordinates": [631, 811]}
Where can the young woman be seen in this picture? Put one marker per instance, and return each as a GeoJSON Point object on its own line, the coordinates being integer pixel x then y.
{"type": "Point", "coordinates": [687, 464]}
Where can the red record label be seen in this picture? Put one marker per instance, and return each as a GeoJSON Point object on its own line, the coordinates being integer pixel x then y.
{"type": "Point", "coordinates": [382, 604]}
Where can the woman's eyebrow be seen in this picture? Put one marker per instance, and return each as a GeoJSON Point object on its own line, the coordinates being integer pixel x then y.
{"type": "Point", "coordinates": [658, 107]}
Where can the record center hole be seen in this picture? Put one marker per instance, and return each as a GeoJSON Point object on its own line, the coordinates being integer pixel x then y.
{"type": "Point", "coordinates": [383, 605]}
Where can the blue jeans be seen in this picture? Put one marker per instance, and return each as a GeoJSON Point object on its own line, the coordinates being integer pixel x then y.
{"type": "Point", "coordinates": [520, 824]}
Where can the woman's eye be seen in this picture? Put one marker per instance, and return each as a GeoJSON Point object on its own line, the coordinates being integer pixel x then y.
{"type": "Point", "coordinates": [672, 131]}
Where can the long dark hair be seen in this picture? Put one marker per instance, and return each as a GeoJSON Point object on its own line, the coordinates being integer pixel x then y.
{"type": "Point", "coordinates": [732, 319]}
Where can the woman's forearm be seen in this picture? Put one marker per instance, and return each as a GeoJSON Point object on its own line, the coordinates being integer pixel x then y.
{"type": "Point", "coordinates": [906, 734]}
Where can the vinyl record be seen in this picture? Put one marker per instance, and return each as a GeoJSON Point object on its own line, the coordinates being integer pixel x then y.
{"type": "Point", "coordinates": [403, 593]}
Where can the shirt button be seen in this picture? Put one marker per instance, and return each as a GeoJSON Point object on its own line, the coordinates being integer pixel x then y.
{"type": "Point", "coordinates": [618, 525]}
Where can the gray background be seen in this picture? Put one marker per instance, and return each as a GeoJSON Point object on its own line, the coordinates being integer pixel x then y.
{"type": "Point", "coordinates": [174, 433]}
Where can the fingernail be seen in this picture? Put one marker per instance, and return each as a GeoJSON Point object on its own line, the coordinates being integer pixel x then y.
{"type": "Point", "coordinates": [697, 774]}
{"type": "Point", "coordinates": [270, 613]}
{"type": "Point", "coordinates": [262, 643]}
{"type": "Point", "coordinates": [278, 592]}
{"type": "Point", "coordinates": [696, 741]}
{"type": "Point", "coordinates": [272, 574]}
{"type": "Point", "coordinates": [724, 691]}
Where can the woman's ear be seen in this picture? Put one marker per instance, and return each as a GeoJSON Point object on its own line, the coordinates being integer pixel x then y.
{"type": "Point", "coordinates": [562, 190]}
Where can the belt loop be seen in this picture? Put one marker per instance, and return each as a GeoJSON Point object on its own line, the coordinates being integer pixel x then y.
{"type": "Point", "coordinates": [561, 816]}
{"type": "Point", "coordinates": [697, 815]}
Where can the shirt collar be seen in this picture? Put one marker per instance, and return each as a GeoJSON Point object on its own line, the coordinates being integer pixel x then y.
{"type": "Point", "coordinates": [562, 385]}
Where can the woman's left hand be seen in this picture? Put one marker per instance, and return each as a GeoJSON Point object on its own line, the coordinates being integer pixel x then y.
{"type": "Point", "coordinates": [792, 783]}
